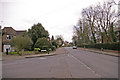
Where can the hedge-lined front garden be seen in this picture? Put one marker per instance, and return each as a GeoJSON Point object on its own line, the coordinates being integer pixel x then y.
{"type": "Point", "coordinates": [110, 46]}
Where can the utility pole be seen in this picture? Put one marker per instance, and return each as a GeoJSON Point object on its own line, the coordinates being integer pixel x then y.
{"type": "Point", "coordinates": [0, 53]}
{"type": "Point", "coordinates": [0, 39]}
{"type": "Point", "coordinates": [0, 42]}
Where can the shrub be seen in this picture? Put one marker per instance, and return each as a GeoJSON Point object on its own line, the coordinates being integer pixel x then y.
{"type": "Point", "coordinates": [110, 46]}
{"type": "Point", "coordinates": [53, 48]}
{"type": "Point", "coordinates": [14, 53]}
{"type": "Point", "coordinates": [54, 43]}
{"type": "Point", "coordinates": [36, 49]}
{"type": "Point", "coordinates": [43, 44]}
{"type": "Point", "coordinates": [21, 43]}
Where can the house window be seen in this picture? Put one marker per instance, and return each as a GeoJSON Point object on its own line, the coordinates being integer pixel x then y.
{"type": "Point", "coordinates": [9, 37]}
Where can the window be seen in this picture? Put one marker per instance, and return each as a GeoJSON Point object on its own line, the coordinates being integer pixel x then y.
{"type": "Point", "coordinates": [9, 37]}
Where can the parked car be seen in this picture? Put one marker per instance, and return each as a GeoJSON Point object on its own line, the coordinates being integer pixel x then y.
{"type": "Point", "coordinates": [74, 47]}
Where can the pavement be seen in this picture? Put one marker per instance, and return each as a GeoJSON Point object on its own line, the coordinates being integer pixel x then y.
{"type": "Point", "coordinates": [105, 52]}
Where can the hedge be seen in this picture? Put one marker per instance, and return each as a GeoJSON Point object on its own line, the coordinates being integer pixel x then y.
{"type": "Point", "coordinates": [110, 46]}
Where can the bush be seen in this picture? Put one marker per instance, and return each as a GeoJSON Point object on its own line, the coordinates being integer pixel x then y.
{"type": "Point", "coordinates": [20, 42]}
{"type": "Point", "coordinates": [53, 48]}
{"type": "Point", "coordinates": [110, 46]}
{"type": "Point", "coordinates": [36, 49]}
{"type": "Point", "coordinates": [13, 53]}
{"type": "Point", "coordinates": [54, 43]}
{"type": "Point", "coordinates": [42, 44]}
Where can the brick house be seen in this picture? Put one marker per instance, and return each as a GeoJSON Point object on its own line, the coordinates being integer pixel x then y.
{"type": "Point", "coordinates": [117, 32]}
{"type": "Point", "coordinates": [103, 39]}
{"type": "Point", "coordinates": [8, 34]}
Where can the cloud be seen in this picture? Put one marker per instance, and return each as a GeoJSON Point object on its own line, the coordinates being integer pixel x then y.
{"type": "Point", "coordinates": [57, 16]}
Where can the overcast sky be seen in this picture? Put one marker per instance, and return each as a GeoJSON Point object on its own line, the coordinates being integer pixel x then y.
{"type": "Point", "coordinates": [57, 16]}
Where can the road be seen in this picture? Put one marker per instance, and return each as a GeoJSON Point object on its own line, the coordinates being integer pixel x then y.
{"type": "Point", "coordinates": [75, 63]}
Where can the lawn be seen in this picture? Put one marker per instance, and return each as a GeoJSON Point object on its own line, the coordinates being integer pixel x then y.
{"type": "Point", "coordinates": [28, 53]}
{"type": "Point", "coordinates": [25, 52]}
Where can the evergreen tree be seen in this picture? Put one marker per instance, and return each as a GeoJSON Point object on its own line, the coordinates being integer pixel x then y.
{"type": "Point", "coordinates": [37, 31]}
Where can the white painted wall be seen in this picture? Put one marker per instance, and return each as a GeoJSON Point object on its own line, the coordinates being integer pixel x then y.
{"type": "Point", "coordinates": [6, 47]}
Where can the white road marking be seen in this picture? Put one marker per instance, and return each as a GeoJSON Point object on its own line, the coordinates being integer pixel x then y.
{"type": "Point", "coordinates": [42, 58]}
{"type": "Point", "coordinates": [85, 65]}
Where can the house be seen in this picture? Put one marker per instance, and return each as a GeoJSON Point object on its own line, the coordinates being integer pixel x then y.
{"type": "Point", "coordinates": [117, 32]}
{"type": "Point", "coordinates": [66, 43]}
{"type": "Point", "coordinates": [103, 38]}
{"type": "Point", "coordinates": [8, 34]}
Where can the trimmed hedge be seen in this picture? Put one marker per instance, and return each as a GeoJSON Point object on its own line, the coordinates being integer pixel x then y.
{"type": "Point", "coordinates": [110, 46]}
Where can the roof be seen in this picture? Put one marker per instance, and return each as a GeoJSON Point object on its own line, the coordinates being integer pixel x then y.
{"type": "Point", "coordinates": [9, 30]}
{"type": "Point", "coordinates": [20, 32]}
{"type": "Point", "coordinates": [117, 29]}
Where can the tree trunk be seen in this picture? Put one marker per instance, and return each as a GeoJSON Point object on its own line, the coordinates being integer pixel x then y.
{"type": "Point", "coordinates": [22, 51]}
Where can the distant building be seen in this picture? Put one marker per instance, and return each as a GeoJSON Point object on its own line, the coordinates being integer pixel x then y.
{"type": "Point", "coordinates": [66, 43]}
{"type": "Point", "coordinates": [8, 34]}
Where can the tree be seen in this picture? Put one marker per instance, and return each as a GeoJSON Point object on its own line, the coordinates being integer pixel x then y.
{"type": "Point", "coordinates": [54, 43]}
{"type": "Point", "coordinates": [82, 32]}
{"type": "Point", "coordinates": [112, 34]}
{"type": "Point", "coordinates": [75, 39]}
{"type": "Point", "coordinates": [105, 17]}
{"type": "Point", "coordinates": [37, 31]}
{"type": "Point", "coordinates": [21, 43]}
{"type": "Point", "coordinates": [97, 24]}
{"type": "Point", "coordinates": [52, 38]}
{"type": "Point", "coordinates": [42, 43]}
{"type": "Point", "coordinates": [59, 40]}
{"type": "Point", "coordinates": [89, 15]}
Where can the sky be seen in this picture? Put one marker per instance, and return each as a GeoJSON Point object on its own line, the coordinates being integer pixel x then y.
{"type": "Point", "coordinates": [56, 16]}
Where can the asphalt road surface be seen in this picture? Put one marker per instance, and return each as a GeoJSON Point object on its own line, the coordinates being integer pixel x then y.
{"type": "Point", "coordinates": [75, 63]}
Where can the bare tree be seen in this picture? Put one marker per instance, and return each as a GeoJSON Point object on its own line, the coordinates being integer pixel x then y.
{"type": "Point", "coordinates": [96, 23]}
{"type": "Point", "coordinates": [105, 18]}
{"type": "Point", "coordinates": [82, 32]}
{"type": "Point", "coordinates": [89, 15]}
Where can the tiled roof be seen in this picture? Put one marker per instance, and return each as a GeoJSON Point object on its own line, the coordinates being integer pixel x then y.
{"type": "Point", "coordinates": [20, 32]}
{"type": "Point", "coordinates": [117, 29]}
{"type": "Point", "coordinates": [9, 30]}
